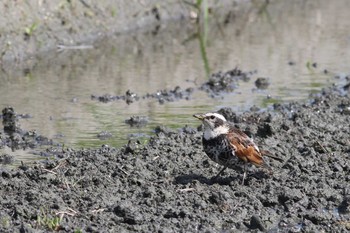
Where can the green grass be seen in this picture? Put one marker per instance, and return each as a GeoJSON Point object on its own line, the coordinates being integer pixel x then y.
{"type": "Point", "coordinates": [5, 222]}
{"type": "Point", "coordinates": [51, 223]}
{"type": "Point", "coordinates": [202, 9]}
{"type": "Point", "coordinates": [30, 30]}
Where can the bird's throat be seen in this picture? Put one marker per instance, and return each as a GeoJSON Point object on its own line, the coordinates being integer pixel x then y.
{"type": "Point", "coordinates": [213, 133]}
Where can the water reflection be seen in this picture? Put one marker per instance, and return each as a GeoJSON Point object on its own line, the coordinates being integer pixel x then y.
{"type": "Point", "coordinates": [278, 41]}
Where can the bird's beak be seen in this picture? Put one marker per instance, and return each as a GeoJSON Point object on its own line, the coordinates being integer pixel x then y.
{"type": "Point", "coordinates": [199, 116]}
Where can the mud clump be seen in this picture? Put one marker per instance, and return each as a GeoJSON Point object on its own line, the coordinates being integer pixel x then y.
{"type": "Point", "coordinates": [262, 83]}
{"type": "Point", "coordinates": [165, 185]}
{"type": "Point", "coordinates": [17, 138]}
{"type": "Point", "coordinates": [162, 96]}
{"type": "Point", "coordinates": [129, 97]}
{"type": "Point", "coordinates": [137, 121]}
{"type": "Point", "coordinates": [219, 83]}
{"type": "Point", "coordinates": [9, 120]}
{"type": "Point", "coordinates": [171, 95]}
{"type": "Point", "coordinates": [223, 82]}
{"type": "Point", "coordinates": [6, 159]}
{"type": "Point", "coordinates": [104, 135]}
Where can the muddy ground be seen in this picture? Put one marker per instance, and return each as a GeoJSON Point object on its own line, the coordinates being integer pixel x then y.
{"type": "Point", "coordinates": [32, 28]}
{"type": "Point", "coordinates": [166, 186]}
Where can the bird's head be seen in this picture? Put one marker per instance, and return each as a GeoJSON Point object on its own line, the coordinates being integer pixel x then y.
{"type": "Point", "coordinates": [214, 124]}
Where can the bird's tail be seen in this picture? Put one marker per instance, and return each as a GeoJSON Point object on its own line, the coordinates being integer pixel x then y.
{"type": "Point", "coordinates": [266, 166]}
{"type": "Point", "coordinates": [268, 154]}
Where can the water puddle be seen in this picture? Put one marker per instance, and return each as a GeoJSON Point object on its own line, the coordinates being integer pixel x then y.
{"type": "Point", "coordinates": [298, 50]}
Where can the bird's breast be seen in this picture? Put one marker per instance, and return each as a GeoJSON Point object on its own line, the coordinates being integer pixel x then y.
{"type": "Point", "coordinates": [219, 150]}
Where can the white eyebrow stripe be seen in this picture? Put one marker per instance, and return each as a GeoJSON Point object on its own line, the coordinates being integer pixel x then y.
{"type": "Point", "coordinates": [217, 115]}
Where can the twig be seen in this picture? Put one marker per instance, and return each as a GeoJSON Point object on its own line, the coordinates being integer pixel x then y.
{"type": "Point", "coordinates": [69, 212]}
{"type": "Point", "coordinates": [75, 183]}
{"type": "Point", "coordinates": [322, 147]}
{"type": "Point", "coordinates": [49, 171]}
{"type": "Point", "coordinates": [55, 168]}
{"type": "Point", "coordinates": [62, 163]}
{"type": "Point", "coordinates": [185, 190]}
{"type": "Point", "coordinates": [123, 171]}
{"type": "Point", "coordinates": [97, 211]}
{"type": "Point", "coordinates": [73, 47]}
{"type": "Point", "coordinates": [73, 211]}
{"type": "Point", "coordinates": [67, 184]}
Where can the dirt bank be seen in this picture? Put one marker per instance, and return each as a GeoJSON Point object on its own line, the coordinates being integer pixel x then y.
{"type": "Point", "coordinates": [165, 185]}
{"type": "Point", "coordinates": [33, 27]}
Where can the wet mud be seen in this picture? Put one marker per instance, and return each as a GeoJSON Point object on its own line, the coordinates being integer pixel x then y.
{"type": "Point", "coordinates": [262, 83]}
{"type": "Point", "coordinates": [137, 121]}
{"type": "Point", "coordinates": [14, 137]}
{"type": "Point", "coordinates": [34, 28]}
{"type": "Point", "coordinates": [219, 83]}
{"type": "Point", "coordinates": [225, 82]}
{"type": "Point", "coordinates": [165, 184]}
{"type": "Point", "coordinates": [161, 96]}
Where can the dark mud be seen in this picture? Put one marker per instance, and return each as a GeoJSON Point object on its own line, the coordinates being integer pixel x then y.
{"type": "Point", "coordinates": [161, 96]}
{"type": "Point", "coordinates": [32, 29]}
{"type": "Point", "coordinates": [262, 83]}
{"type": "Point", "coordinates": [222, 82]}
{"type": "Point", "coordinates": [15, 137]}
{"type": "Point", "coordinates": [137, 121]}
{"type": "Point", "coordinates": [104, 135]}
{"type": "Point", "coordinates": [218, 84]}
{"type": "Point", "coordinates": [165, 185]}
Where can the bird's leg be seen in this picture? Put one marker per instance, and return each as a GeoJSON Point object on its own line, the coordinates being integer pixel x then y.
{"type": "Point", "coordinates": [222, 170]}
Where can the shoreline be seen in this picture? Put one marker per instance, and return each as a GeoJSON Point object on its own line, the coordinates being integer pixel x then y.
{"type": "Point", "coordinates": [80, 23]}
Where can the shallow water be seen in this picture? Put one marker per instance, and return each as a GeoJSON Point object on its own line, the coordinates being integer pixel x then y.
{"type": "Point", "coordinates": [57, 91]}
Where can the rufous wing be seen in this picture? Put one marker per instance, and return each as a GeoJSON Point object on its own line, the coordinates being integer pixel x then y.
{"type": "Point", "coordinates": [244, 147]}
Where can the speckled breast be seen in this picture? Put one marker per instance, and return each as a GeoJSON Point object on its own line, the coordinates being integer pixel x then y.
{"type": "Point", "coordinates": [220, 151]}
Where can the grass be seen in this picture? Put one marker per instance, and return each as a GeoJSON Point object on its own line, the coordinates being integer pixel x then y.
{"type": "Point", "coordinates": [202, 9]}
{"type": "Point", "coordinates": [30, 30]}
{"type": "Point", "coordinates": [48, 222]}
{"type": "Point", "coordinates": [202, 44]}
{"type": "Point", "coordinates": [203, 13]}
{"type": "Point", "coordinates": [5, 221]}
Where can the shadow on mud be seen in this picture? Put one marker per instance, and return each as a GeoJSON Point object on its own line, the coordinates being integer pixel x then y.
{"type": "Point", "coordinates": [222, 180]}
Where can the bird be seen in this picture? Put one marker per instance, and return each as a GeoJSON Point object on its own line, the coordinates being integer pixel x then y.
{"type": "Point", "coordinates": [227, 145]}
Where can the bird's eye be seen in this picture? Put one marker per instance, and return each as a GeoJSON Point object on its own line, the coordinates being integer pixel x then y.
{"type": "Point", "coordinates": [212, 117]}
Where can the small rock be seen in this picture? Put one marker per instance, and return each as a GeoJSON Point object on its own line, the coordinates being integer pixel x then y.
{"type": "Point", "coordinates": [165, 130]}
{"type": "Point", "coordinates": [6, 159]}
{"type": "Point", "coordinates": [104, 135]}
{"type": "Point", "coordinates": [262, 83]}
{"type": "Point", "coordinates": [266, 130]}
{"type": "Point", "coordinates": [256, 223]}
{"type": "Point", "coordinates": [130, 97]}
{"type": "Point", "coordinates": [9, 120]}
{"type": "Point", "coordinates": [137, 121]}
{"type": "Point", "coordinates": [132, 146]}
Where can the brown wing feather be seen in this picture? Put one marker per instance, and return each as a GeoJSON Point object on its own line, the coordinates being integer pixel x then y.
{"type": "Point", "coordinates": [245, 148]}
